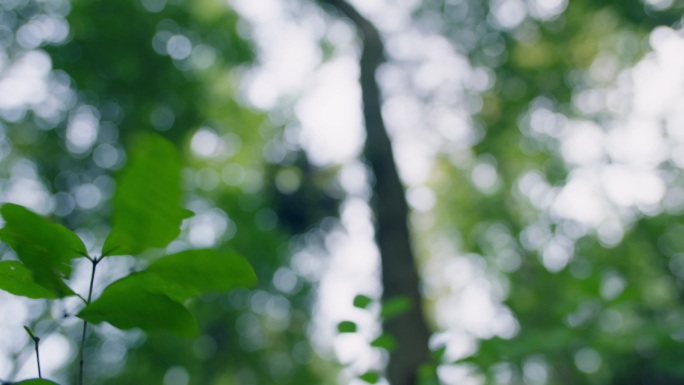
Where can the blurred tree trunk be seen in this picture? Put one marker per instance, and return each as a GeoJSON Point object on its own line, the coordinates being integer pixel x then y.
{"type": "Point", "coordinates": [399, 273]}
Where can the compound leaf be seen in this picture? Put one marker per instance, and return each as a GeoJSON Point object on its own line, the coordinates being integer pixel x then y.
{"type": "Point", "coordinates": [45, 248]}
{"type": "Point", "coordinates": [15, 278]}
{"type": "Point", "coordinates": [147, 211]}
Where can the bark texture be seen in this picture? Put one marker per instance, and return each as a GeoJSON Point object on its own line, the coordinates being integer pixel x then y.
{"type": "Point", "coordinates": [399, 273]}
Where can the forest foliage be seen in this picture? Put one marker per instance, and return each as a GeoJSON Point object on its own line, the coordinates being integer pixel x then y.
{"type": "Point", "coordinates": [535, 267]}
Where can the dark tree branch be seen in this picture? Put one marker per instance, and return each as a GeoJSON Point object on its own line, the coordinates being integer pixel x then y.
{"type": "Point", "coordinates": [399, 273]}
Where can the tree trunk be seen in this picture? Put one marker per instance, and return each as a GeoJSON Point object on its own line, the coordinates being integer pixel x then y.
{"type": "Point", "coordinates": [399, 273]}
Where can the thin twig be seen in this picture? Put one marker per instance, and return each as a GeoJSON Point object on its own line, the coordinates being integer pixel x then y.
{"type": "Point", "coordinates": [35, 343]}
{"type": "Point", "coordinates": [85, 323]}
{"type": "Point", "coordinates": [19, 358]}
{"type": "Point", "coordinates": [40, 374]}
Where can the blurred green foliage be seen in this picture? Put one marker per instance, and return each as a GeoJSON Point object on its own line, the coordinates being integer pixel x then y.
{"type": "Point", "coordinates": [115, 59]}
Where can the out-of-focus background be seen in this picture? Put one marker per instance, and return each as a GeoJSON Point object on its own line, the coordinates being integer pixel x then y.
{"type": "Point", "coordinates": [541, 143]}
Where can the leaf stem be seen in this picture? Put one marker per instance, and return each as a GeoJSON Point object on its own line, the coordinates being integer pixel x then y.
{"type": "Point", "coordinates": [35, 343]}
{"type": "Point", "coordinates": [85, 323]}
{"type": "Point", "coordinates": [40, 374]}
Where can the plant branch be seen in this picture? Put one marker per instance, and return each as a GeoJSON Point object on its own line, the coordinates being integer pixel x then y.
{"type": "Point", "coordinates": [94, 261]}
{"type": "Point", "coordinates": [35, 343]}
{"type": "Point", "coordinates": [40, 374]}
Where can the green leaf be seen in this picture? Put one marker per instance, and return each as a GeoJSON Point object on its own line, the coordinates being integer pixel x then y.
{"type": "Point", "coordinates": [36, 381]}
{"type": "Point", "coordinates": [370, 377]}
{"type": "Point", "coordinates": [394, 307]}
{"type": "Point", "coordinates": [15, 278]}
{"type": "Point", "coordinates": [385, 341]}
{"type": "Point", "coordinates": [189, 273]}
{"type": "Point", "coordinates": [427, 375]}
{"type": "Point", "coordinates": [361, 301]}
{"type": "Point", "coordinates": [129, 306]}
{"type": "Point", "coordinates": [192, 272]}
{"type": "Point", "coordinates": [147, 211]}
{"type": "Point", "coordinates": [30, 333]}
{"type": "Point", "coordinates": [150, 300]}
{"type": "Point", "coordinates": [346, 327]}
{"type": "Point", "coordinates": [438, 354]}
{"type": "Point", "coordinates": [45, 248]}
